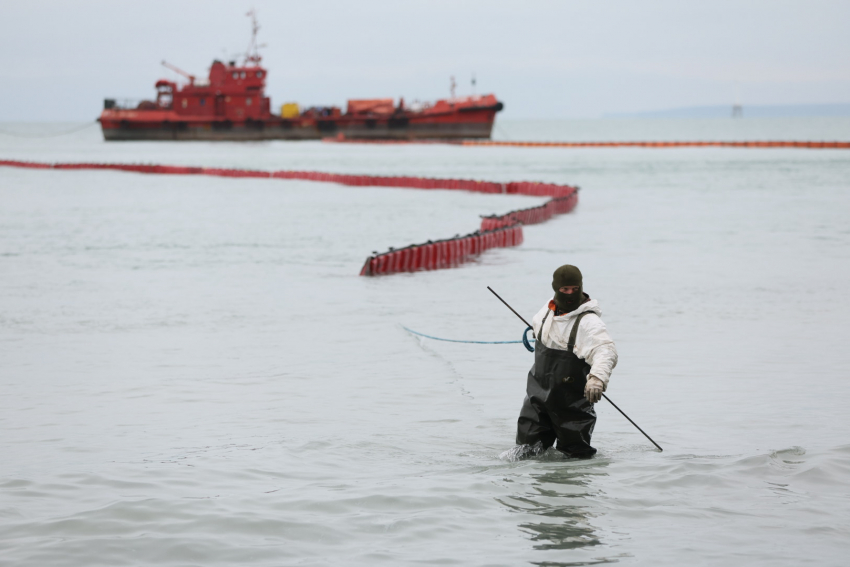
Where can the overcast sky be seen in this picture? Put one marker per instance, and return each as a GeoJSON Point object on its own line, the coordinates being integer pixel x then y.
{"type": "Point", "coordinates": [561, 59]}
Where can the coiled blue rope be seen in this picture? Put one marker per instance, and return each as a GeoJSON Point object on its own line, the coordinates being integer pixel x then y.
{"type": "Point", "coordinates": [524, 340]}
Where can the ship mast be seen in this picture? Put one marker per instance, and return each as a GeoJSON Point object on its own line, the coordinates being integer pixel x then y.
{"type": "Point", "coordinates": [252, 54]}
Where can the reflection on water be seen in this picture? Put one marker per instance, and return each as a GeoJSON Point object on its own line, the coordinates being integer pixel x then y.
{"type": "Point", "coordinates": [554, 507]}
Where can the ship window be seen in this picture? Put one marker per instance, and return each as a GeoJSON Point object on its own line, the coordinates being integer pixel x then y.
{"type": "Point", "coordinates": [243, 74]}
{"type": "Point", "coordinates": [185, 103]}
{"type": "Point", "coordinates": [259, 74]}
{"type": "Point", "coordinates": [203, 101]}
{"type": "Point", "coordinates": [235, 75]}
{"type": "Point", "coordinates": [248, 101]}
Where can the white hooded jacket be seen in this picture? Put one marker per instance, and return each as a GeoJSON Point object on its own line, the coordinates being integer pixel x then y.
{"type": "Point", "coordinates": [593, 343]}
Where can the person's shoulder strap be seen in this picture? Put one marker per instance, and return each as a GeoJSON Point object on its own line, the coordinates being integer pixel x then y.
{"type": "Point", "coordinates": [543, 322]}
{"type": "Point", "coordinates": [572, 342]}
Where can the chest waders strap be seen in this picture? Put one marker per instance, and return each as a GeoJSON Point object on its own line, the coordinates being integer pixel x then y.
{"type": "Point", "coordinates": [573, 333]}
{"type": "Point", "coordinates": [572, 342]}
{"type": "Point", "coordinates": [540, 334]}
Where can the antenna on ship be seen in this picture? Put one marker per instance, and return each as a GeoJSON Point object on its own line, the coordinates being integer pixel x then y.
{"type": "Point", "coordinates": [453, 85]}
{"type": "Point", "coordinates": [252, 54]}
{"type": "Point", "coordinates": [473, 83]}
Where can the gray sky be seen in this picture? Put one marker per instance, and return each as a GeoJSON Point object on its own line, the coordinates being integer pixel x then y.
{"type": "Point", "coordinates": [547, 59]}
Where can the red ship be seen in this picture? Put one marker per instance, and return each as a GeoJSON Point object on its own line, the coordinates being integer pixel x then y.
{"type": "Point", "coordinates": [231, 105]}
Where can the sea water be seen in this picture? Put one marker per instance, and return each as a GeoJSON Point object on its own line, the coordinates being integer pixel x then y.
{"type": "Point", "coordinates": [193, 373]}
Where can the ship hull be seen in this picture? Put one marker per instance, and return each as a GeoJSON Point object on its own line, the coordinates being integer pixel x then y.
{"type": "Point", "coordinates": [129, 125]}
{"type": "Point", "coordinates": [206, 132]}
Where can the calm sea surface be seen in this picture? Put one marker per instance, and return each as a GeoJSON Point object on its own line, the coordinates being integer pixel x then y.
{"type": "Point", "coordinates": [194, 374]}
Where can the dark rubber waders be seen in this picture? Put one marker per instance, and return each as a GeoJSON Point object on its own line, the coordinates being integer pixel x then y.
{"type": "Point", "coordinates": [555, 408]}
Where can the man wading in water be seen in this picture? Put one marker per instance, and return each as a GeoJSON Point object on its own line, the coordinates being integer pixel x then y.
{"type": "Point", "coordinates": [573, 359]}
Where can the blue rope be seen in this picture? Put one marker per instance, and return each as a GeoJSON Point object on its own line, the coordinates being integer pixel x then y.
{"type": "Point", "coordinates": [524, 340]}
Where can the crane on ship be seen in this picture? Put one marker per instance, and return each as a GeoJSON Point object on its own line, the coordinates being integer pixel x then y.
{"type": "Point", "coordinates": [179, 71]}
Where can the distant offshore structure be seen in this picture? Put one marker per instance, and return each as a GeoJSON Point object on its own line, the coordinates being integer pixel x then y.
{"type": "Point", "coordinates": [231, 105]}
{"type": "Point", "coordinates": [737, 111]}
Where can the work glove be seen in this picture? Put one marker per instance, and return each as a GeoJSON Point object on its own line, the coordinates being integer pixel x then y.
{"type": "Point", "coordinates": [593, 389]}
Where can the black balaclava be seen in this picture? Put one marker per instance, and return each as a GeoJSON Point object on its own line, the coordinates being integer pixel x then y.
{"type": "Point", "coordinates": [567, 275]}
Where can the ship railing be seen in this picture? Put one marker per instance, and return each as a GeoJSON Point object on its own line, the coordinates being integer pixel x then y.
{"type": "Point", "coordinates": [128, 104]}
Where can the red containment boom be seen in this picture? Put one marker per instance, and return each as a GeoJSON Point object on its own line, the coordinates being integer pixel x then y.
{"type": "Point", "coordinates": [496, 231]}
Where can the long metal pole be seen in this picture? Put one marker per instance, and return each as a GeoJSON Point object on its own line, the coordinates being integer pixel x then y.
{"type": "Point", "coordinates": [603, 395]}
{"type": "Point", "coordinates": [632, 422]}
{"type": "Point", "coordinates": [508, 306]}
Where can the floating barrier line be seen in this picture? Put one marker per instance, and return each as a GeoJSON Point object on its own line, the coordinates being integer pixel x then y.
{"type": "Point", "coordinates": [626, 144]}
{"type": "Point", "coordinates": [667, 144]}
{"type": "Point", "coordinates": [458, 341]}
{"type": "Point", "coordinates": [496, 231]}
